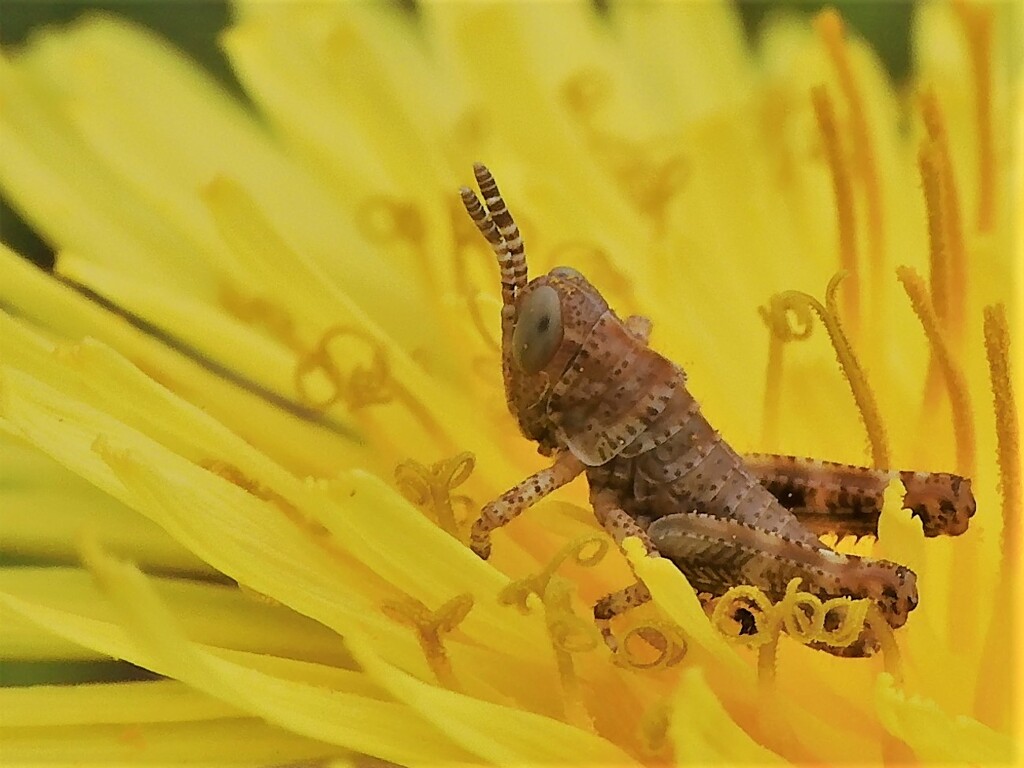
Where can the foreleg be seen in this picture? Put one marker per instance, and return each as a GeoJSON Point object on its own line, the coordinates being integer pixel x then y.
{"type": "Point", "coordinates": [516, 500]}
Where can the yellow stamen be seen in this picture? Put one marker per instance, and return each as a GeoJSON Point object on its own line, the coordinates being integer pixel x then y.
{"type": "Point", "coordinates": [993, 699]}
{"type": "Point", "coordinates": [753, 601]}
{"type": "Point", "coordinates": [430, 627]}
{"type": "Point", "coordinates": [775, 113]}
{"type": "Point", "coordinates": [666, 638]}
{"type": "Point", "coordinates": [976, 20]}
{"type": "Point", "coordinates": [259, 311]}
{"type": "Point", "coordinates": [997, 349]}
{"type": "Point", "coordinates": [595, 262]}
{"type": "Point", "coordinates": [361, 386]}
{"type": "Point", "coordinates": [466, 238]}
{"type": "Point", "coordinates": [779, 333]}
{"type": "Point", "coordinates": [799, 303]}
{"type": "Point", "coordinates": [568, 633]}
{"type": "Point", "coordinates": [963, 424]}
{"type": "Point", "coordinates": [962, 606]}
{"type": "Point", "coordinates": [802, 614]}
{"type": "Point", "coordinates": [430, 488]}
{"type": "Point", "coordinates": [385, 220]}
{"type": "Point", "coordinates": [650, 172]}
{"type": "Point", "coordinates": [931, 181]}
{"type": "Point", "coordinates": [517, 592]}
{"type": "Point", "coordinates": [235, 476]}
{"type": "Point", "coordinates": [829, 25]}
{"type": "Point", "coordinates": [654, 728]}
{"type": "Point", "coordinates": [949, 207]}
{"type": "Point", "coordinates": [887, 640]}
{"type": "Point", "coordinates": [825, 113]}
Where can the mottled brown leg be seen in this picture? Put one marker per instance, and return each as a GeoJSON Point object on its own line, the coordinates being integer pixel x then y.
{"type": "Point", "coordinates": [514, 501]}
{"type": "Point", "coordinates": [944, 502]}
{"type": "Point", "coordinates": [619, 526]}
{"type": "Point", "coordinates": [615, 604]}
{"type": "Point", "coordinates": [847, 500]}
{"type": "Point", "coordinates": [825, 497]}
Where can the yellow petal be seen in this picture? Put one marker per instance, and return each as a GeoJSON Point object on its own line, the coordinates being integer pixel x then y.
{"type": "Point", "coordinates": [704, 733]}
{"type": "Point", "coordinates": [241, 742]}
{"type": "Point", "coordinates": [214, 614]}
{"type": "Point", "coordinates": [334, 714]}
{"type": "Point", "coordinates": [156, 701]}
{"type": "Point", "coordinates": [33, 295]}
{"type": "Point", "coordinates": [499, 734]}
{"type": "Point", "coordinates": [934, 735]}
{"type": "Point", "coordinates": [46, 507]}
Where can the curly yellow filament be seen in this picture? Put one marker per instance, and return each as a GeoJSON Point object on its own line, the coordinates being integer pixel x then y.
{"type": "Point", "coordinates": [754, 602]}
{"type": "Point", "coordinates": [430, 627]}
{"type": "Point", "coordinates": [829, 25]}
{"type": "Point", "coordinates": [358, 389]}
{"type": "Point", "coordinates": [803, 615]}
{"type": "Point", "coordinates": [666, 638]}
{"type": "Point", "coordinates": [430, 488]}
{"type": "Point", "coordinates": [963, 422]}
{"type": "Point", "coordinates": [779, 333]}
{"type": "Point", "coordinates": [826, 116]}
{"type": "Point", "coordinates": [997, 349]}
{"type": "Point", "coordinates": [799, 303]}
{"type": "Point", "coordinates": [853, 616]}
{"type": "Point", "coordinates": [568, 633]}
{"type": "Point", "coordinates": [585, 551]}
{"type": "Point", "coordinates": [361, 386]}
{"type": "Point", "coordinates": [949, 207]}
{"type": "Point", "coordinates": [977, 23]}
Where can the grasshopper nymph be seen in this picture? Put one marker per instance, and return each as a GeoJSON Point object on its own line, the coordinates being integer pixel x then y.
{"type": "Point", "coordinates": [584, 385]}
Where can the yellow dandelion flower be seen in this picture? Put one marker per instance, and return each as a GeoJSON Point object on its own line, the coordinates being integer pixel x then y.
{"type": "Point", "coordinates": [248, 420]}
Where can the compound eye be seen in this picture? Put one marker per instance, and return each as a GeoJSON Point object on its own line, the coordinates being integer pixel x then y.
{"type": "Point", "coordinates": [538, 330]}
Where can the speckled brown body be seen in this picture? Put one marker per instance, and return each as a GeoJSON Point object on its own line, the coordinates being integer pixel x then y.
{"type": "Point", "coordinates": [584, 385]}
{"type": "Point", "coordinates": [699, 503]}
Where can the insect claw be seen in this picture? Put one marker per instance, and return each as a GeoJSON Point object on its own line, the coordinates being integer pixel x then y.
{"type": "Point", "coordinates": [609, 639]}
{"type": "Point", "coordinates": [481, 549]}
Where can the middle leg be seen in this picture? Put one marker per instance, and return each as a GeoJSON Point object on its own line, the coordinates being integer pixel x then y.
{"type": "Point", "coordinates": [619, 526]}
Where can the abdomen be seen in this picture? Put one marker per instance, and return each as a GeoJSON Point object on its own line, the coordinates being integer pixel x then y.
{"type": "Point", "coordinates": [681, 464]}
